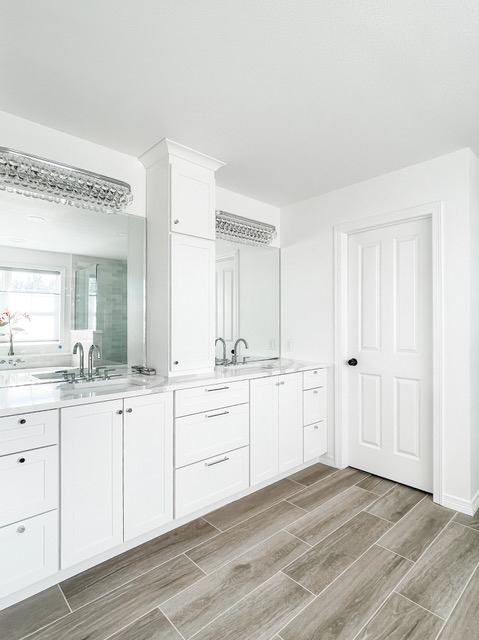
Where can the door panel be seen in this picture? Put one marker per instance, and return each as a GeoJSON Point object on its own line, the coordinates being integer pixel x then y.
{"type": "Point", "coordinates": [390, 321]}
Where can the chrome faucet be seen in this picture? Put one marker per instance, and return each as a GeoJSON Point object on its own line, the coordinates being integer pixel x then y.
{"type": "Point", "coordinates": [234, 360]}
{"type": "Point", "coordinates": [223, 342]}
{"type": "Point", "coordinates": [93, 349]}
{"type": "Point", "coordinates": [79, 347]}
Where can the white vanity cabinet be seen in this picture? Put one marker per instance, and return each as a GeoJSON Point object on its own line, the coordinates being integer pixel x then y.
{"type": "Point", "coordinates": [211, 444]}
{"type": "Point", "coordinates": [314, 411]}
{"type": "Point", "coordinates": [116, 465]}
{"type": "Point", "coordinates": [28, 499]}
{"type": "Point", "coordinates": [276, 421]}
{"type": "Point", "coordinates": [192, 293]}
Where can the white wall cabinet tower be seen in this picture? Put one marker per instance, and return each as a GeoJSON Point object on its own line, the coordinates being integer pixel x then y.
{"type": "Point", "coordinates": [180, 186]}
{"type": "Point", "coordinates": [117, 473]}
{"type": "Point", "coordinates": [276, 419]}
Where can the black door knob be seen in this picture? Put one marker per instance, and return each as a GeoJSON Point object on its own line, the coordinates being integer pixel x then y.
{"type": "Point", "coordinates": [353, 362]}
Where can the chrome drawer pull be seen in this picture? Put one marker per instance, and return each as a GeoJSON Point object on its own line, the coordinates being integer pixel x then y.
{"type": "Point", "coordinates": [315, 392]}
{"type": "Point", "coordinates": [218, 389]}
{"type": "Point", "coordinates": [215, 415]}
{"type": "Point", "coordinates": [21, 528]}
{"type": "Point", "coordinates": [210, 464]}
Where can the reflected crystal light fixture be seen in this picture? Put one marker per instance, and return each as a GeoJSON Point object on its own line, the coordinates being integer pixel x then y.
{"type": "Point", "coordinates": [238, 229]}
{"type": "Point", "coordinates": [56, 182]}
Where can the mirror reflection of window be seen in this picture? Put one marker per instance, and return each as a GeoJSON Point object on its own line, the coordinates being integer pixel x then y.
{"type": "Point", "coordinates": [36, 293]}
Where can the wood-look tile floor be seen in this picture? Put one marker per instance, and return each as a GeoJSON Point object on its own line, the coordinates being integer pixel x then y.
{"type": "Point", "coordinates": [322, 555]}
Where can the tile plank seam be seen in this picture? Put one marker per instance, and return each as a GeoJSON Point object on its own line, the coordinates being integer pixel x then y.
{"type": "Point", "coordinates": [256, 513]}
{"type": "Point", "coordinates": [462, 593]}
{"type": "Point", "coordinates": [419, 605]}
{"type": "Point", "coordinates": [248, 595]}
{"type": "Point", "coordinates": [451, 519]}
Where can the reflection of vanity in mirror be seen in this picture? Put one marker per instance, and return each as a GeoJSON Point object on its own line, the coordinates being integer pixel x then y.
{"type": "Point", "coordinates": [247, 299]}
{"type": "Point", "coordinates": [79, 275]}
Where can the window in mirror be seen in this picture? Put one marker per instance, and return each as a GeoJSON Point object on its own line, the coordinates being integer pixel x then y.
{"type": "Point", "coordinates": [35, 297]}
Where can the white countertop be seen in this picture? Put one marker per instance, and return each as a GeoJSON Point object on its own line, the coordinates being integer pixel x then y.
{"type": "Point", "coordinates": [38, 397]}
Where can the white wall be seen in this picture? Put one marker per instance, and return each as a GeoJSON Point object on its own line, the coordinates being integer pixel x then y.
{"type": "Point", "coordinates": [248, 208]}
{"type": "Point", "coordinates": [27, 136]}
{"type": "Point", "coordinates": [307, 283]}
{"type": "Point", "coordinates": [474, 251]}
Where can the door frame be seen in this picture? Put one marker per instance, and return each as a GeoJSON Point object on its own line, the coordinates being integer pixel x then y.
{"type": "Point", "coordinates": [341, 234]}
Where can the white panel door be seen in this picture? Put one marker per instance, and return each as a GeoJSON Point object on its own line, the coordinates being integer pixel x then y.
{"type": "Point", "coordinates": [263, 429]}
{"type": "Point", "coordinates": [192, 199]}
{"type": "Point", "coordinates": [147, 463]}
{"type": "Point", "coordinates": [290, 421]}
{"type": "Point", "coordinates": [92, 480]}
{"type": "Point", "coordinates": [390, 329]}
{"type": "Point", "coordinates": [227, 302]}
{"type": "Point", "coordinates": [192, 322]}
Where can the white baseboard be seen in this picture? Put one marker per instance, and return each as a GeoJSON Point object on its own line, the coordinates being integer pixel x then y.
{"type": "Point", "coordinates": [469, 507]}
{"type": "Point", "coordinates": [328, 460]}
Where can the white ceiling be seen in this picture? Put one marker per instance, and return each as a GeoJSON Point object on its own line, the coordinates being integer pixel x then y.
{"type": "Point", "coordinates": [299, 97]}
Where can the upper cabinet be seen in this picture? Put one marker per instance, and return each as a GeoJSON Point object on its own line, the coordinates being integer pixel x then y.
{"type": "Point", "coordinates": [180, 258]}
{"type": "Point", "coordinates": [192, 205]}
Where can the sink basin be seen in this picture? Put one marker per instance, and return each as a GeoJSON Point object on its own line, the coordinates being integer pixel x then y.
{"type": "Point", "coordinates": [49, 376]}
{"type": "Point", "coordinates": [100, 383]}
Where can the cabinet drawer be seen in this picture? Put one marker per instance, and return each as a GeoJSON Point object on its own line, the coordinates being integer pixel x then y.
{"type": "Point", "coordinates": [314, 378]}
{"type": "Point", "coordinates": [28, 484]}
{"type": "Point", "coordinates": [314, 405]}
{"type": "Point", "coordinates": [215, 396]}
{"type": "Point", "coordinates": [28, 431]}
{"type": "Point", "coordinates": [203, 435]}
{"type": "Point", "coordinates": [315, 440]}
{"type": "Point", "coordinates": [204, 483]}
{"type": "Point", "coordinates": [29, 552]}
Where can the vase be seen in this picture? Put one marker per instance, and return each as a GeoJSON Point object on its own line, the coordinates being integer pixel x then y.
{"type": "Point", "coordinates": [10, 351]}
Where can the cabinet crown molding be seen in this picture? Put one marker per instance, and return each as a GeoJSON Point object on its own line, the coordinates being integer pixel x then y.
{"type": "Point", "coordinates": [168, 147]}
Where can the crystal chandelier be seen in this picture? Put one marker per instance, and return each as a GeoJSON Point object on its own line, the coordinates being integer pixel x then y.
{"type": "Point", "coordinates": [243, 230]}
{"type": "Point", "coordinates": [48, 180]}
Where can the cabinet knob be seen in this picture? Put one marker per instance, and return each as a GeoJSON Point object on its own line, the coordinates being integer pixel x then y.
{"type": "Point", "coordinates": [21, 460]}
{"type": "Point", "coordinates": [315, 392]}
{"type": "Point", "coordinates": [120, 412]}
{"type": "Point", "coordinates": [316, 426]}
{"type": "Point", "coordinates": [129, 410]}
{"type": "Point", "coordinates": [315, 373]}
{"type": "Point", "coordinates": [175, 221]}
{"type": "Point", "coordinates": [22, 421]}
{"type": "Point", "coordinates": [21, 528]}
{"type": "Point", "coordinates": [175, 361]}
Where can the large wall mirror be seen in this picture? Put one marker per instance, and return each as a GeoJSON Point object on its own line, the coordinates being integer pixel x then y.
{"type": "Point", "coordinates": [247, 298]}
{"type": "Point", "coordinates": [69, 275]}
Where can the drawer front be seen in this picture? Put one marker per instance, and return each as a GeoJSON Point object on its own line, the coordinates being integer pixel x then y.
{"type": "Point", "coordinates": [215, 396]}
{"type": "Point", "coordinates": [28, 484]}
{"type": "Point", "coordinates": [315, 440]}
{"type": "Point", "coordinates": [29, 552]}
{"type": "Point", "coordinates": [203, 435]}
{"type": "Point", "coordinates": [314, 378]}
{"type": "Point", "coordinates": [314, 405]}
{"type": "Point", "coordinates": [28, 431]}
{"type": "Point", "coordinates": [204, 483]}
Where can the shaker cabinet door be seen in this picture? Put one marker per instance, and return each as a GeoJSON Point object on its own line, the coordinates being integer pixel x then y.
{"type": "Point", "coordinates": [192, 199]}
{"type": "Point", "coordinates": [263, 429]}
{"type": "Point", "coordinates": [148, 463]}
{"type": "Point", "coordinates": [192, 319]}
{"type": "Point", "coordinates": [92, 486]}
{"type": "Point", "coordinates": [290, 421]}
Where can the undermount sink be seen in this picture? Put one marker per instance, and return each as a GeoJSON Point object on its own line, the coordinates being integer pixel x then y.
{"type": "Point", "coordinates": [102, 382]}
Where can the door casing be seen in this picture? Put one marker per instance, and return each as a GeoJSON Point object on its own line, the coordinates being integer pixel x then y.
{"type": "Point", "coordinates": [341, 234]}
